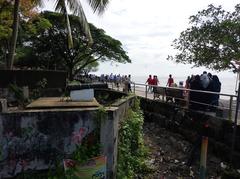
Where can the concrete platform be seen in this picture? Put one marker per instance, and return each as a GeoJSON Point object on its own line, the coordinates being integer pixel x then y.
{"type": "Point", "coordinates": [59, 102]}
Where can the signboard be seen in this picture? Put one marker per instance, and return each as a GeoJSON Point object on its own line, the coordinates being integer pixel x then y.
{"type": "Point", "coordinates": [94, 168]}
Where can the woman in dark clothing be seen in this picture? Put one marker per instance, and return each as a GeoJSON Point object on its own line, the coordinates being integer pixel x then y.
{"type": "Point", "coordinates": [195, 96]}
{"type": "Point", "coordinates": [215, 86]}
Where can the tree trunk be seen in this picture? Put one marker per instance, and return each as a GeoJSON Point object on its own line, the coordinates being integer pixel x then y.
{"type": "Point", "coordinates": [70, 73]}
{"type": "Point", "coordinates": [10, 60]}
{"type": "Point", "coordinates": [69, 30]}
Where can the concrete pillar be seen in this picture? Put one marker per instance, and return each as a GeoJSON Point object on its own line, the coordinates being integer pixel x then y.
{"type": "Point", "coordinates": [25, 92]}
{"type": "Point", "coordinates": [3, 105]}
{"type": "Point", "coordinates": [108, 139]}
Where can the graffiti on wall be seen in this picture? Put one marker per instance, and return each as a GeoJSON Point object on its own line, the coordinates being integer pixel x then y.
{"type": "Point", "coordinates": [77, 136]}
{"type": "Point", "coordinates": [18, 151]}
{"type": "Point", "coordinates": [26, 146]}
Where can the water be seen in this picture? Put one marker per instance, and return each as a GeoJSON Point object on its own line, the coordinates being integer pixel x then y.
{"type": "Point", "coordinates": [228, 83]}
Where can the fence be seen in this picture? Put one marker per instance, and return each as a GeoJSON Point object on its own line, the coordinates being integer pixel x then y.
{"type": "Point", "coordinates": [226, 108]}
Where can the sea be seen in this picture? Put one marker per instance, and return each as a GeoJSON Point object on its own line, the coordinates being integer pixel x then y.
{"type": "Point", "coordinates": [228, 84]}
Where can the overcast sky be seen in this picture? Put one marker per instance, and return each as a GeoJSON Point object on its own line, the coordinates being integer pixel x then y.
{"type": "Point", "coordinates": [146, 30]}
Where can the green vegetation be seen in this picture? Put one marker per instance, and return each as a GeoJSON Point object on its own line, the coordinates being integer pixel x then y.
{"type": "Point", "coordinates": [44, 46]}
{"type": "Point", "coordinates": [212, 40]}
{"type": "Point", "coordinates": [21, 6]}
{"type": "Point", "coordinates": [131, 151]}
{"type": "Point", "coordinates": [38, 91]}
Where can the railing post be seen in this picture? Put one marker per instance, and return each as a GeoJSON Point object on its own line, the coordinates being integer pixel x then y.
{"type": "Point", "coordinates": [203, 159]}
{"type": "Point", "coordinates": [235, 124]}
{"type": "Point", "coordinates": [134, 88]}
{"type": "Point", "coordinates": [230, 108]}
{"type": "Point", "coordinates": [146, 91]}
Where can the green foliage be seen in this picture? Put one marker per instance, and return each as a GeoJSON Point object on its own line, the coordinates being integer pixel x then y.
{"type": "Point", "coordinates": [38, 91]}
{"type": "Point", "coordinates": [5, 28]}
{"type": "Point", "coordinates": [230, 173]}
{"type": "Point", "coordinates": [18, 93]}
{"type": "Point", "coordinates": [36, 26]}
{"type": "Point", "coordinates": [85, 151]}
{"type": "Point", "coordinates": [5, 19]}
{"type": "Point", "coordinates": [49, 49]}
{"type": "Point", "coordinates": [131, 150]}
{"type": "Point", "coordinates": [212, 40]}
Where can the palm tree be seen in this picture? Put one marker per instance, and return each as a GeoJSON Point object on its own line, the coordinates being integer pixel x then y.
{"type": "Point", "coordinates": [74, 6]}
{"type": "Point", "coordinates": [9, 62]}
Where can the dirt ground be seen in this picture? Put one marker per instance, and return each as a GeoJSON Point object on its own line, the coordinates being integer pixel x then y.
{"type": "Point", "coordinates": [169, 153]}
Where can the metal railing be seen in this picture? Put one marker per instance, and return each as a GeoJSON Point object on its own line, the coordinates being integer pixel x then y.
{"type": "Point", "coordinates": [227, 102]}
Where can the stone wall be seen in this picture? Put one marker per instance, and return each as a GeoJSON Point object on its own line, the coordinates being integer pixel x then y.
{"type": "Point", "coordinates": [192, 124]}
{"type": "Point", "coordinates": [109, 132]}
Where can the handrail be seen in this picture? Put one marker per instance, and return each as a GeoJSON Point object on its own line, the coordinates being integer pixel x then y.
{"type": "Point", "coordinates": [186, 89]}
{"type": "Point", "coordinates": [229, 107]}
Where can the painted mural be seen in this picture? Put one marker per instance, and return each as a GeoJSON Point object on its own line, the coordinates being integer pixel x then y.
{"type": "Point", "coordinates": [94, 168]}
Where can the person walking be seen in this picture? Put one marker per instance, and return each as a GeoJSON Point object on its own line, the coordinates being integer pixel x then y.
{"type": "Point", "coordinates": [149, 82]}
{"type": "Point", "coordinates": [129, 83]}
{"type": "Point", "coordinates": [170, 81]}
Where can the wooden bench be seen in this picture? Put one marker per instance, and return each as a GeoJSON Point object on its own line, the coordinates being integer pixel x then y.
{"type": "Point", "coordinates": [175, 95]}
{"type": "Point", "coordinates": [159, 91]}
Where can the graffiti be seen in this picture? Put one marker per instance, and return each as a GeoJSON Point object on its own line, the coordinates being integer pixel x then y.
{"type": "Point", "coordinates": [17, 151]}
{"type": "Point", "coordinates": [77, 136]}
{"type": "Point", "coordinates": [37, 142]}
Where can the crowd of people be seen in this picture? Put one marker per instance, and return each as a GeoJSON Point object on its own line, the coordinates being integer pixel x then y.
{"type": "Point", "coordinates": [198, 100]}
{"type": "Point", "coordinates": [205, 82]}
{"type": "Point", "coordinates": [123, 81]}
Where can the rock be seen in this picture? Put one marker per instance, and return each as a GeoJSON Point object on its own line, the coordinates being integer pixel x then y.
{"type": "Point", "coordinates": [176, 161]}
{"type": "Point", "coordinates": [152, 161]}
{"type": "Point", "coordinates": [172, 140]}
{"type": "Point", "coordinates": [223, 166]}
{"type": "Point", "coordinates": [191, 173]}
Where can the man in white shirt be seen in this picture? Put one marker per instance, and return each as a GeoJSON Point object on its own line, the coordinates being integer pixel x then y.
{"type": "Point", "coordinates": [204, 80]}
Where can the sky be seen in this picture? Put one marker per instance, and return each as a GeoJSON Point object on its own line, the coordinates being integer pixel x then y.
{"type": "Point", "coordinates": [147, 30]}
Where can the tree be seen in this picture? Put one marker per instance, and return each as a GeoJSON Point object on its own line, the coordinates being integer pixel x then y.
{"type": "Point", "coordinates": [212, 40]}
{"type": "Point", "coordinates": [5, 29]}
{"type": "Point", "coordinates": [47, 47]}
{"type": "Point", "coordinates": [74, 6]}
{"type": "Point", "coordinates": [25, 9]}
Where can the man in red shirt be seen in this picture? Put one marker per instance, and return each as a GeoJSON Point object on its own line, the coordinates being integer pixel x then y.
{"type": "Point", "coordinates": [149, 82]}
{"type": "Point", "coordinates": [170, 81]}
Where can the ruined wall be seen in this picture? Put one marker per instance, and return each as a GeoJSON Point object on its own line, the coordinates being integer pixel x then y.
{"type": "Point", "coordinates": [191, 124]}
{"type": "Point", "coordinates": [109, 132]}
{"type": "Point", "coordinates": [36, 140]}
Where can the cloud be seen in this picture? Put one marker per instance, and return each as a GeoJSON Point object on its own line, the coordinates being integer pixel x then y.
{"type": "Point", "coordinates": [147, 29]}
